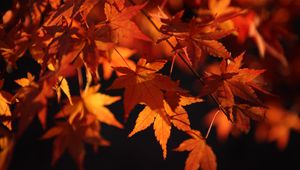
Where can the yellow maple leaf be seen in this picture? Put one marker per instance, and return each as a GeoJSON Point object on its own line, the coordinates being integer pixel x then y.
{"type": "Point", "coordinates": [93, 103]}
{"type": "Point", "coordinates": [25, 81]}
{"type": "Point", "coordinates": [63, 86]}
{"type": "Point", "coordinates": [5, 110]}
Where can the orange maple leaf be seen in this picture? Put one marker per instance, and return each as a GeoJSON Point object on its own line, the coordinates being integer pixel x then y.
{"type": "Point", "coordinates": [249, 26]}
{"type": "Point", "coordinates": [25, 82]}
{"type": "Point", "coordinates": [66, 139]}
{"type": "Point", "coordinates": [201, 155]}
{"type": "Point", "coordinates": [241, 115]}
{"type": "Point", "coordinates": [62, 85]}
{"type": "Point", "coordinates": [277, 126]}
{"type": "Point", "coordinates": [119, 19]}
{"type": "Point", "coordinates": [6, 140]}
{"type": "Point", "coordinates": [198, 37]}
{"type": "Point", "coordinates": [84, 117]}
{"type": "Point", "coordinates": [233, 81]}
{"type": "Point", "coordinates": [32, 101]}
{"type": "Point", "coordinates": [5, 111]}
{"type": "Point", "coordinates": [72, 137]}
{"type": "Point", "coordinates": [70, 9]}
{"type": "Point", "coordinates": [7, 147]}
{"type": "Point", "coordinates": [144, 85]}
{"type": "Point", "coordinates": [162, 119]}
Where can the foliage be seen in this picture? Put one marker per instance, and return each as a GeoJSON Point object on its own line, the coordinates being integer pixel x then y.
{"type": "Point", "coordinates": [233, 49]}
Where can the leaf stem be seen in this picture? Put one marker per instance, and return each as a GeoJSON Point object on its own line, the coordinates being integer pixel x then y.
{"type": "Point", "coordinates": [181, 121]}
{"type": "Point", "coordinates": [211, 123]}
{"type": "Point", "coordinates": [172, 66]}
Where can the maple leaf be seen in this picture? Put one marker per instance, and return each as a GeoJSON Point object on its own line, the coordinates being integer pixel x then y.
{"type": "Point", "coordinates": [83, 125]}
{"type": "Point", "coordinates": [234, 81]}
{"type": "Point", "coordinates": [175, 110]}
{"type": "Point", "coordinates": [242, 113]}
{"type": "Point", "coordinates": [71, 9]}
{"type": "Point", "coordinates": [143, 85]}
{"type": "Point", "coordinates": [63, 86]}
{"type": "Point", "coordinates": [66, 139]}
{"type": "Point", "coordinates": [277, 126]}
{"type": "Point", "coordinates": [163, 119]}
{"type": "Point", "coordinates": [7, 147]}
{"type": "Point", "coordinates": [55, 3]}
{"type": "Point", "coordinates": [222, 11]}
{"type": "Point", "coordinates": [71, 137]}
{"type": "Point", "coordinates": [5, 111]}
{"type": "Point", "coordinates": [33, 101]}
{"type": "Point", "coordinates": [118, 17]}
{"type": "Point", "coordinates": [249, 26]}
{"type": "Point", "coordinates": [218, 7]}
{"type": "Point", "coordinates": [19, 25]}
{"type": "Point", "coordinates": [76, 42]}
{"type": "Point", "coordinates": [64, 43]}
{"type": "Point", "coordinates": [196, 39]}
{"type": "Point", "coordinates": [14, 44]}
{"type": "Point", "coordinates": [6, 141]}
{"type": "Point", "coordinates": [24, 82]}
{"type": "Point", "coordinates": [5, 125]}
{"type": "Point", "coordinates": [201, 155]}
{"type": "Point", "coordinates": [92, 103]}
{"type": "Point", "coordinates": [85, 43]}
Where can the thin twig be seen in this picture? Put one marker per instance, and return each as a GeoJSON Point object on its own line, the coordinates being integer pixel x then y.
{"type": "Point", "coordinates": [122, 57]}
{"type": "Point", "coordinates": [80, 79]}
